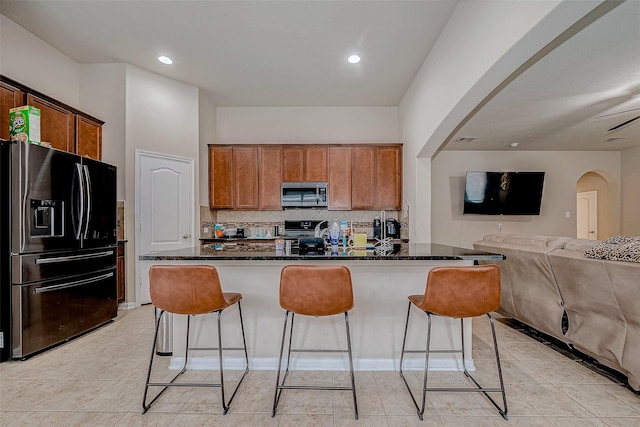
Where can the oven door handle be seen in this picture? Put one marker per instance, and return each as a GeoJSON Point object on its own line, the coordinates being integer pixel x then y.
{"type": "Point", "coordinates": [73, 257]}
{"type": "Point", "coordinates": [72, 284]}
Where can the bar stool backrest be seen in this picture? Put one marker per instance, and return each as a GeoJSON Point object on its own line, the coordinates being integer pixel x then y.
{"type": "Point", "coordinates": [316, 290]}
{"type": "Point", "coordinates": [186, 289]}
{"type": "Point", "coordinates": [462, 292]}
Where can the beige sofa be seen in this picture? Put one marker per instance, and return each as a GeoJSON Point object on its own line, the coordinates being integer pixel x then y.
{"type": "Point", "coordinates": [591, 304]}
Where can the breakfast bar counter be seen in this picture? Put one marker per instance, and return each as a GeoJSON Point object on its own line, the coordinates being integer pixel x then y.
{"type": "Point", "coordinates": [266, 252]}
{"type": "Point", "coordinates": [382, 281]}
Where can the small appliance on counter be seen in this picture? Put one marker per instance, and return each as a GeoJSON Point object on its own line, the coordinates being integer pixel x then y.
{"type": "Point", "coordinates": [393, 228]}
{"type": "Point", "coordinates": [311, 246]}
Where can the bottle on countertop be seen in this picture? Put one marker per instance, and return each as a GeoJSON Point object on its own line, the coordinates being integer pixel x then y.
{"type": "Point", "coordinates": [334, 232]}
{"type": "Point", "coordinates": [377, 227]}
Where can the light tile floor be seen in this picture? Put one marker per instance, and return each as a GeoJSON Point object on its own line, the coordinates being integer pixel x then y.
{"type": "Point", "coordinates": [98, 380]}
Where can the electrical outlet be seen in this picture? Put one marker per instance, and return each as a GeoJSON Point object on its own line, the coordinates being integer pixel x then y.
{"type": "Point", "coordinates": [205, 230]}
{"type": "Point", "coordinates": [500, 226]}
{"type": "Point", "coordinates": [567, 214]}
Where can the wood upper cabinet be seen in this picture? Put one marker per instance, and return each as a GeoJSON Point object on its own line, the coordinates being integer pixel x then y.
{"type": "Point", "coordinates": [292, 164]}
{"type": "Point", "coordinates": [65, 127]}
{"type": "Point", "coordinates": [304, 164]}
{"type": "Point", "coordinates": [220, 177]}
{"type": "Point", "coordinates": [10, 97]}
{"type": "Point", "coordinates": [315, 163]}
{"type": "Point", "coordinates": [363, 177]}
{"type": "Point", "coordinates": [270, 177]}
{"type": "Point", "coordinates": [88, 138]}
{"type": "Point", "coordinates": [389, 178]}
{"type": "Point", "coordinates": [339, 178]}
{"type": "Point", "coordinates": [376, 180]}
{"type": "Point", "coordinates": [245, 178]}
{"type": "Point", "coordinates": [56, 123]}
{"type": "Point", "coordinates": [359, 177]}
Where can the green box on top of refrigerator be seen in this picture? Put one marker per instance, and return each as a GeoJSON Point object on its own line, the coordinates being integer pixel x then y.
{"type": "Point", "coordinates": [24, 124]}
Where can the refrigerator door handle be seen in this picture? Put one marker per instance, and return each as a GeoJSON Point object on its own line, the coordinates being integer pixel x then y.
{"type": "Point", "coordinates": [73, 257]}
{"type": "Point", "coordinates": [87, 178]}
{"type": "Point", "coordinates": [72, 284]}
{"type": "Point", "coordinates": [78, 230]}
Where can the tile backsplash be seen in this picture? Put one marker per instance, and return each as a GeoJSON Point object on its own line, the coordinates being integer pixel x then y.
{"type": "Point", "coordinates": [362, 220]}
{"type": "Point", "coordinates": [120, 230]}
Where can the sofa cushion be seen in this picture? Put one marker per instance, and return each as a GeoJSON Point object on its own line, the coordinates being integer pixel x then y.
{"type": "Point", "coordinates": [580, 245]}
{"type": "Point", "coordinates": [618, 248]}
{"type": "Point", "coordinates": [527, 240]}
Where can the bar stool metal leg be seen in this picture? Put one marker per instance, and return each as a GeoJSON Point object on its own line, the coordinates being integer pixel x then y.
{"type": "Point", "coordinates": [425, 388]}
{"type": "Point", "coordinates": [280, 385]}
{"type": "Point", "coordinates": [278, 391]}
{"type": "Point", "coordinates": [220, 348]}
{"type": "Point", "coordinates": [353, 380]}
{"type": "Point", "coordinates": [145, 405]}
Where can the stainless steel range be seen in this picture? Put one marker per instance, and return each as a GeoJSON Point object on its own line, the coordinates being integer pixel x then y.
{"type": "Point", "coordinates": [57, 247]}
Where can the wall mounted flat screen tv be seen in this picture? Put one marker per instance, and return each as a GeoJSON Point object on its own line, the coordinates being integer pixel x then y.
{"type": "Point", "coordinates": [503, 193]}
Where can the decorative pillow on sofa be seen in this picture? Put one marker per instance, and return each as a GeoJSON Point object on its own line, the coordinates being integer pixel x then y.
{"type": "Point", "coordinates": [618, 248]}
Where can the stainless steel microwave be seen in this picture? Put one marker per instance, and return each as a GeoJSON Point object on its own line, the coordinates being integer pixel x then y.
{"type": "Point", "coordinates": [304, 195]}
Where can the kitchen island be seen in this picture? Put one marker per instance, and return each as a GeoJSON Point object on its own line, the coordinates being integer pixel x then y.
{"type": "Point", "coordinates": [382, 281]}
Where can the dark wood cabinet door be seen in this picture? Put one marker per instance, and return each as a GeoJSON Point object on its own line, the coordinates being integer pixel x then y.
{"type": "Point", "coordinates": [389, 178]}
{"type": "Point", "coordinates": [245, 178]}
{"type": "Point", "coordinates": [292, 164]}
{"type": "Point", "coordinates": [88, 138]}
{"type": "Point", "coordinates": [121, 273]}
{"type": "Point", "coordinates": [10, 97]}
{"type": "Point", "coordinates": [56, 123]}
{"type": "Point", "coordinates": [315, 164]}
{"type": "Point", "coordinates": [339, 179]}
{"type": "Point", "coordinates": [220, 177]}
{"type": "Point", "coordinates": [363, 178]}
{"type": "Point", "coordinates": [270, 177]}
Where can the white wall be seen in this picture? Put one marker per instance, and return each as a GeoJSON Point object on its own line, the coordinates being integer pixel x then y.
{"type": "Point", "coordinates": [34, 63]}
{"type": "Point", "coordinates": [482, 44]}
{"type": "Point", "coordinates": [563, 170]}
{"type": "Point", "coordinates": [630, 193]}
{"type": "Point", "coordinates": [207, 123]}
{"type": "Point", "coordinates": [162, 117]}
{"type": "Point", "coordinates": [306, 125]}
{"type": "Point", "coordinates": [102, 94]}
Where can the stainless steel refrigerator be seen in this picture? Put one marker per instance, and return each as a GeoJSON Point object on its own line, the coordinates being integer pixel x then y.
{"type": "Point", "coordinates": [57, 247]}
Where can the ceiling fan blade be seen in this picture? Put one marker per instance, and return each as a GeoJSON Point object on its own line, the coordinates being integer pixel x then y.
{"type": "Point", "coordinates": [625, 123]}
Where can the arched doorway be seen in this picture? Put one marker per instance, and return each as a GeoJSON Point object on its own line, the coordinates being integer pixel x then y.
{"type": "Point", "coordinates": [596, 206]}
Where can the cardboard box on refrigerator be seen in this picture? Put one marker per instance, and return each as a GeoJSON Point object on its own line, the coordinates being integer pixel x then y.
{"type": "Point", "coordinates": [24, 124]}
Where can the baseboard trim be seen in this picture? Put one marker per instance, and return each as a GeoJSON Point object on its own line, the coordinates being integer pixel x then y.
{"type": "Point", "coordinates": [127, 305]}
{"type": "Point", "coordinates": [324, 364]}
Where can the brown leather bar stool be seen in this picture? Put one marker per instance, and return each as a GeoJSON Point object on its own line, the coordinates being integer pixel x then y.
{"type": "Point", "coordinates": [311, 290]}
{"type": "Point", "coordinates": [457, 292]}
{"type": "Point", "coordinates": [191, 290]}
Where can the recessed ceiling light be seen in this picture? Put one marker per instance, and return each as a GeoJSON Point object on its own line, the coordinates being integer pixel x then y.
{"type": "Point", "coordinates": [514, 144]}
{"type": "Point", "coordinates": [165, 60]}
{"type": "Point", "coordinates": [353, 59]}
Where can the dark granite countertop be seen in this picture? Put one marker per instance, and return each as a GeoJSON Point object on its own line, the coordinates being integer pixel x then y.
{"type": "Point", "coordinates": [263, 252]}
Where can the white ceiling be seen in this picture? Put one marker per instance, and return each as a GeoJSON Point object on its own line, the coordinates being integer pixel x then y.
{"type": "Point", "coordinates": [293, 53]}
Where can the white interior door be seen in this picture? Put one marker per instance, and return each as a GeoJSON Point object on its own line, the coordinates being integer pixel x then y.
{"type": "Point", "coordinates": [587, 215]}
{"type": "Point", "coordinates": [164, 207]}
